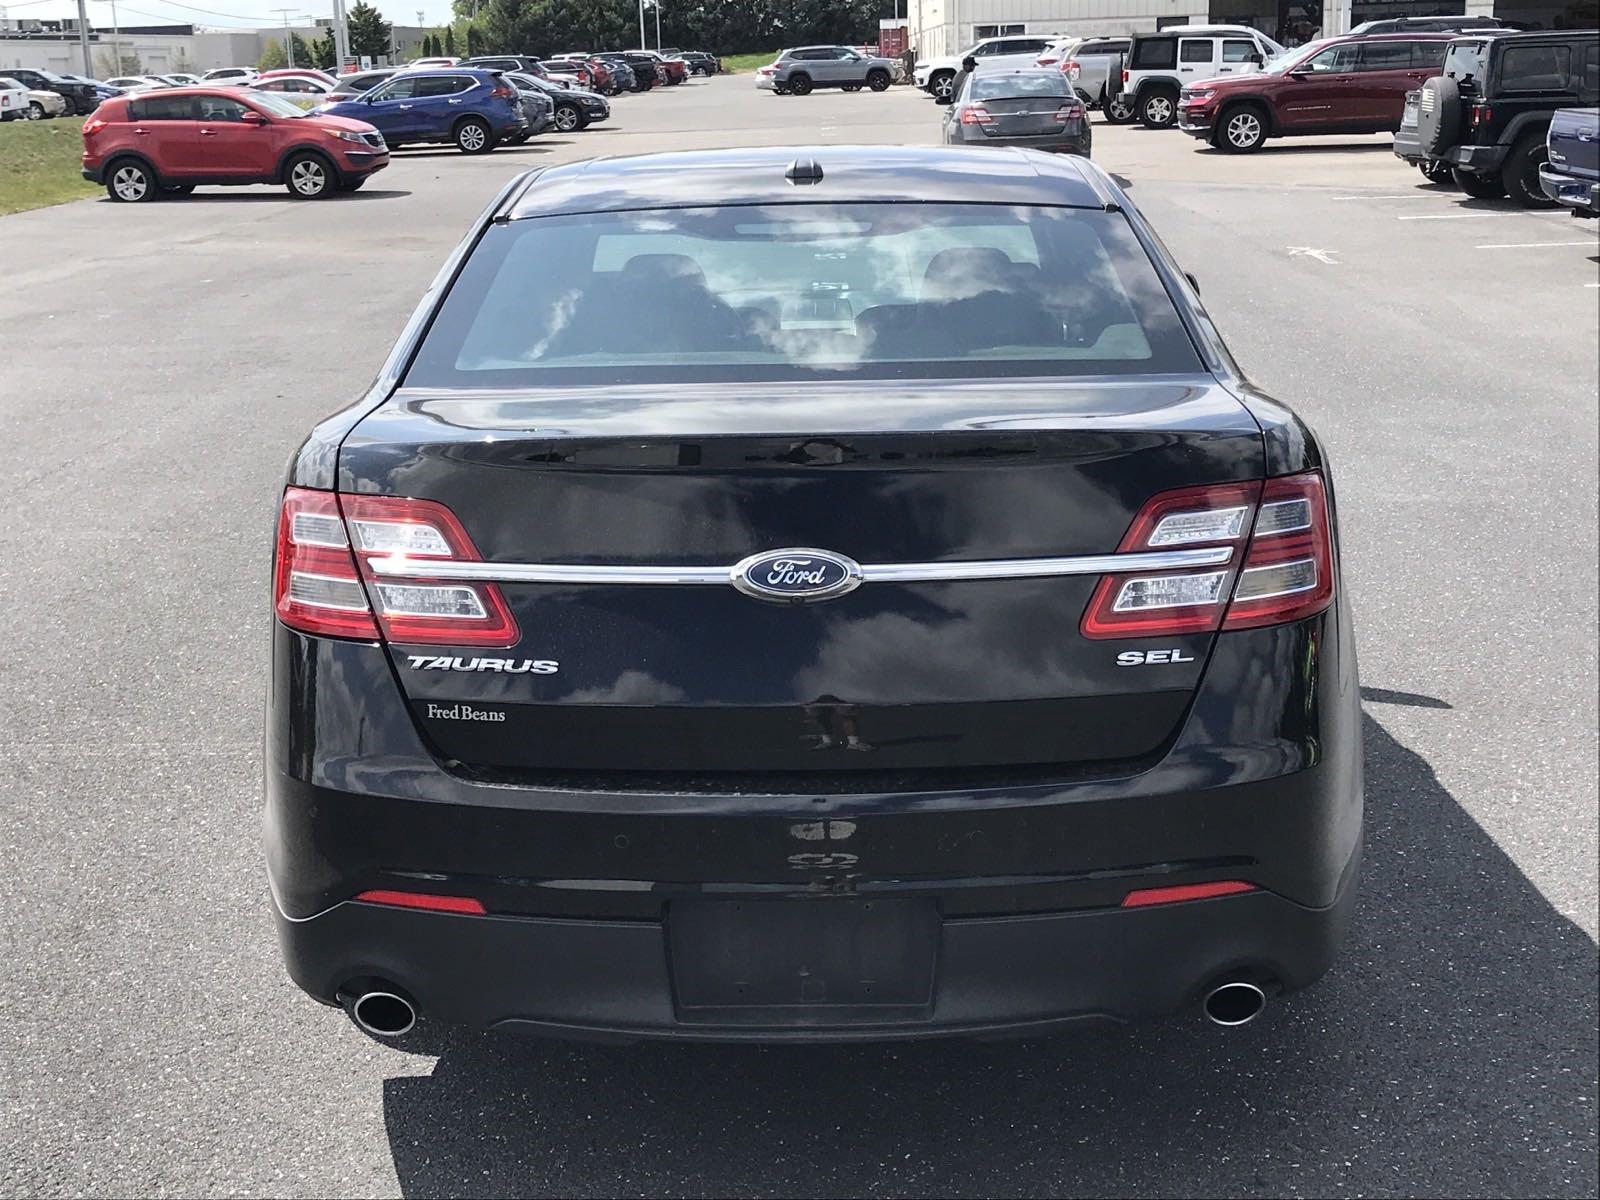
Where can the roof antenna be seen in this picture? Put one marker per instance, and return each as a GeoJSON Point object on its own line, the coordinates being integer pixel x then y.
{"type": "Point", "coordinates": [804, 170]}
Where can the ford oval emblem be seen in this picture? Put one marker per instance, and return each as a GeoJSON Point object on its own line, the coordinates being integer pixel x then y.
{"type": "Point", "coordinates": [796, 576]}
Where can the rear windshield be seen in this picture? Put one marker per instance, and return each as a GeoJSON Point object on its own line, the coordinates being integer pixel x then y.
{"type": "Point", "coordinates": [1154, 54]}
{"type": "Point", "coordinates": [800, 291]}
{"type": "Point", "coordinates": [1032, 83]}
{"type": "Point", "coordinates": [1466, 60]}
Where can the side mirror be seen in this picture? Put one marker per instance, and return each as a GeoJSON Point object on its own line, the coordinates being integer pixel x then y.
{"type": "Point", "coordinates": [1299, 73]}
{"type": "Point", "coordinates": [1257, 60]}
{"type": "Point", "coordinates": [251, 117]}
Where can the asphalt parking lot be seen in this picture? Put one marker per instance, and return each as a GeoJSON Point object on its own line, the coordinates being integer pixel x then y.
{"type": "Point", "coordinates": [162, 361]}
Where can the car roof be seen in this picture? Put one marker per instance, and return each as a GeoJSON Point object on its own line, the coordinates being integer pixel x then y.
{"type": "Point", "coordinates": [850, 174]}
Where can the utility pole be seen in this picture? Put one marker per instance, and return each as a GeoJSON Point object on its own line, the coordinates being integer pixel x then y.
{"type": "Point", "coordinates": [658, 25]}
{"type": "Point", "coordinates": [643, 45]}
{"type": "Point", "coordinates": [341, 37]}
{"type": "Point", "coordinates": [116, 41]}
{"type": "Point", "coordinates": [83, 38]}
{"type": "Point", "coordinates": [288, 43]}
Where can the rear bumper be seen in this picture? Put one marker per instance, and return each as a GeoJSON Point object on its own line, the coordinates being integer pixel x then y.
{"type": "Point", "coordinates": [994, 976]}
{"type": "Point", "coordinates": [1055, 143]}
{"type": "Point", "coordinates": [1026, 879]}
{"type": "Point", "coordinates": [1580, 195]}
{"type": "Point", "coordinates": [1407, 146]}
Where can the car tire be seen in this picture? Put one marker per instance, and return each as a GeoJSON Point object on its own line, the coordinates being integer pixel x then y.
{"type": "Point", "coordinates": [1437, 172]}
{"type": "Point", "coordinates": [942, 84]}
{"type": "Point", "coordinates": [1243, 129]}
{"type": "Point", "coordinates": [473, 136]}
{"type": "Point", "coordinates": [310, 177]}
{"type": "Point", "coordinates": [568, 118]}
{"type": "Point", "coordinates": [35, 111]}
{"type": "Point", "coordinates": [800, 85]}
{"type": "Point", "coordinates": [879, 81]}
{"type": "Point", "coordinates": [129, 181]}
{"type": "Point", "coordinates": [1119, 109]}
{"type": "Point", "coordinates": [177, 189]}
{"type": "Point", "coordinates": [1479, 187]}
{"type": "Point", "coordinates": [1158, 108]}
{"type": "Point", "coordinates": [849, 87]}
{"type": "Point", "coordinates": [1520, 174]}
{"type": "Point", "coordinates": [780, 89]}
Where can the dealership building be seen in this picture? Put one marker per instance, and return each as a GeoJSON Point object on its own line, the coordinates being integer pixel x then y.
{"type": "Point", "coordinates": [947, 26]}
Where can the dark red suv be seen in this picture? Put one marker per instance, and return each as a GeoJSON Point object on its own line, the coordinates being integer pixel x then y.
{"type": "Point", "coordinates": [168, 141]}
{"type": "Point", "coordinates": [1337, 85]}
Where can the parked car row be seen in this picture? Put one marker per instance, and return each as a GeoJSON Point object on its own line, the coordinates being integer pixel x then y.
{"type": "Point", "coordinates": [18, 102]}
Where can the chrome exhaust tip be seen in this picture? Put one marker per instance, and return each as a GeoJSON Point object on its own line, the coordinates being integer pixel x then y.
{"type": "Point", "coordinates": [1234, 1003]}
{"type": "Point", "coordinates": [382, 1014]}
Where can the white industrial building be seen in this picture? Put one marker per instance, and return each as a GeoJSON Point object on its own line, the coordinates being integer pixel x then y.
{"type": "Point", "coordinates": [939, 27]}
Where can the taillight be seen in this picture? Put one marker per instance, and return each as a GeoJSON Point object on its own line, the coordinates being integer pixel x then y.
{"type": "Point", "coordinates": [315, 585]}
{"type": "Point", "coordinates": [1288, 569]}
{"type": "Point", "coordinates": [504, 91]}
{"type": "Point", "coordinates": [93, 126]}
{"type": "Point", "coordinates": [1046, 60]}
{"type": "Point", "coordinates": [1482, 114]}
{"type": "Point", "coordinates": [1124, 74]}
{"type": "Point", "coordinates": [976, 114]}
{"type": "Point", "coordinates": [1070, 112]}
{"type": "Point", "coordinates": [329, 563]}
{"type": "Point", "coordinates": [1284, 573]}
{"type": "Point", "coordinates": [417, 608]}
{"type": "Point", "coordinates": [1073, 68]}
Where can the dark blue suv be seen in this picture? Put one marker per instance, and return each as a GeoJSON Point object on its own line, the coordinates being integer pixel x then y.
{"type": "Point", "coordinates": [474, 109]}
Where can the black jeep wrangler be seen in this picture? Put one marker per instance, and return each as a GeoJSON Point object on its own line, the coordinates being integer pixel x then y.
{"type": "Point", "coordinates": [1484, 118]}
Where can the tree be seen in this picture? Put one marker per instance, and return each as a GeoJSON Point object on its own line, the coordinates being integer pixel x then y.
{"type": "Point", "coordinates": [272, 57]}
{"type": "Point", "coordinates": [110, 68]}
{"type": "Point", "coordinates": [450, 41]}
{"type": "Point", "coordinates": [474, 40]}
{"type": "Point", "coordinates": [369, 32]}
{"type": "Point", "coordinates": [323, 52]}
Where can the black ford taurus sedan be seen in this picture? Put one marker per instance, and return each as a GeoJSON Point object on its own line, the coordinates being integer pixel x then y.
{"type": "Point", "coordinates": [860, 599]}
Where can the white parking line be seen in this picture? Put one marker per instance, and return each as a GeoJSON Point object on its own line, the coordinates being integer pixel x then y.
{"type": "Point", "coordinates": [1530, 245]}
{"type": "Point", "coordinates": [1447, 217]}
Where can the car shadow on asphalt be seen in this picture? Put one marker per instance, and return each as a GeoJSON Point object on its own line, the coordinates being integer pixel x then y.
{"type": "Point", "coordinates": [1451, 1051]}
{"type": "Point", "coordinates": [1274, 148]}
{"type": "Point", "coordinates": [239, 195]}
{"type": "Point", "coordinates": [541, 146]}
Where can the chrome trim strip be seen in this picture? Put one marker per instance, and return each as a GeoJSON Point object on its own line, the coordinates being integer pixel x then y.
{"type": "Point", "coordinates": [400, 567]}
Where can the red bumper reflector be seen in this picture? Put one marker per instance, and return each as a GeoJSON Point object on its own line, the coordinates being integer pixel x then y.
{"type": "Point", "coordinates": [1185, 891]}
{"type": "Point", "coordinates": [450, 904]}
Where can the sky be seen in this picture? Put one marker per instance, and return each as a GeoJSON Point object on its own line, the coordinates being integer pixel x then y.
{"type": "Point", "coordinates": [219, 14]}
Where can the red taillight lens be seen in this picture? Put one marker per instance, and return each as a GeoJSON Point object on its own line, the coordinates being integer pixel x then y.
{"type": "Point", "coordinates": [1288, 570]}
{"type": "Point", "coordinates": [1073, 68]}
{"type": "Point", "coordinates": [464, 905]}
{"type": "Point", "coordinates": [416, 608]}
{"type": "Point", "coordinates": [1482, 113]}
{"type": "Point", "coordinates": [1285, 572]}
{"type": "Point", "coordinates": [1124, 74]}
{"type": "Point", "coordinates": [976, 114]}
{"type": "Point", "coordinates": [93, 126]}
{"type": "Point", "coordinates": [1046, 60]}
{"type": "Point", "coordinates": [315, 586]}
{"type": "Point", "coordinates": [1070, 112]}
{"type": "Point", "coordinates": [504, 91]}
{"type": "Point", "coordinates": [1173, 602]}
{"type": "Point", "coordinates": [1178, 893]}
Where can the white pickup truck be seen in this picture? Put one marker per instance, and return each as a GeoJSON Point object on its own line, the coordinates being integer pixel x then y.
{"type": "Point", "coordinates": [1094, 67]}
{"type": "Point", "coordinates": [13, 100]}
{"type": "Point", "coordinates": [936, 75]}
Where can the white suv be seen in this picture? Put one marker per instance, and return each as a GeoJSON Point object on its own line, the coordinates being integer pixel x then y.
{"type": "Point", "coordinates": [936, 75]}
{"type": "Point", "coordinates": [1162, 64]}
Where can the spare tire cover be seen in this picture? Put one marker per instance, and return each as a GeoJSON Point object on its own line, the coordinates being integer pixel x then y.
{"type": "Point", "coordinates": [1439, 115]}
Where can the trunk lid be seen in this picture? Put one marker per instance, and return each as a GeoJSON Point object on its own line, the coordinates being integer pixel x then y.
{"type": "Point", "coordinates": [889, 680]}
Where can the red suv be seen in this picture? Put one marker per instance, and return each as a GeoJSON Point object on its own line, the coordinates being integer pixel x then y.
{"type": "Point", "coordinates": [1337, 85]}
{"type": "Point", "coordinates": [170, 140]}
